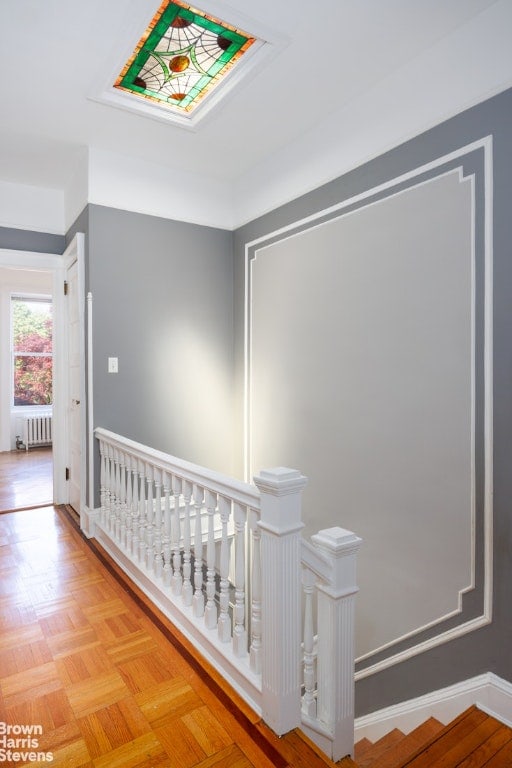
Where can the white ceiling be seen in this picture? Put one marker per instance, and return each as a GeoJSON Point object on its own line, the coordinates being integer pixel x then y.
{"type": "Point", "coordinates": [56, 56]}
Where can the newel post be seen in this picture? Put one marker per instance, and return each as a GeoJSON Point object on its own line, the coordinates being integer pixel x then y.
{"type": "Point", "coordinates": [335, 665]}
{"type": "Point", "coordinates": [281, 525]}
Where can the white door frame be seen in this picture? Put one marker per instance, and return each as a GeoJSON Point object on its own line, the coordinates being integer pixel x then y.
{"type": "Point", "coordinates": [57, 265]}
{"type": "Point", "coordinates": [74, 252]}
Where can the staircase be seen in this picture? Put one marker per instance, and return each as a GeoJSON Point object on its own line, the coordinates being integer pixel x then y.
{"type": "Point", "coordinates": [472, 740]}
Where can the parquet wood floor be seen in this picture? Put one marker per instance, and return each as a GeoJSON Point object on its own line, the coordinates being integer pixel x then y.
{"type": "Point", "coordinates": [108, 683]}
{"type": "Point", "coordinates": [26, 478]}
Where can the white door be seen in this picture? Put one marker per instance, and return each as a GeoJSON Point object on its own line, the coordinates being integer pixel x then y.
{"type": "Point", "coordinates": [74, 406]}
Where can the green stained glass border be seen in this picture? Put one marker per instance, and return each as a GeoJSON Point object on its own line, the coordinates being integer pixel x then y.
{"type": "Point", "coordinates": [162, 22]}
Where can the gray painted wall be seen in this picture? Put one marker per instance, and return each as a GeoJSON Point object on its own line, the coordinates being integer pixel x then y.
{"type": "Point", "coordinates": [162, 304]}
{"type": "Point", "coordinates": [486, 649]}
{"type": "Point", "coordinates": [24, 240]}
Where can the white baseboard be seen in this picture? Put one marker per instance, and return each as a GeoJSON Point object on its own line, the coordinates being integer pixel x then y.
{"type": "Point", "coordinates": [88, 519]}
{"type": "Point", "coordinates": [488, 692]}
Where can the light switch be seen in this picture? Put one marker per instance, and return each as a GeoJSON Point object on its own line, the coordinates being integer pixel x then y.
{"type": "Point", "coordinates": [113, 365]}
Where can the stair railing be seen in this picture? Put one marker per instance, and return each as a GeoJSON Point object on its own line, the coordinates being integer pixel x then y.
{"type": "Point", "coordinates": [223, 559]}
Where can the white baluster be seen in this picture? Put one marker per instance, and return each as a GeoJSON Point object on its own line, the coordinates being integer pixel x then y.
{"type": "Point", "coordinates": [111, 496]}
{"type": "Point", "coordinates": [122, 499]}
{"type": "Point", "coordinates": [239, 631]}
{"type": "Point", "coordinates": [157, 557]}
{"type": "Point", "coordinates": [106, 495]}
{"type": "Point", "coordinates": [198, 599]}
{"type": "Point", "coordinates": [186, 590]}
{"type": "Point", "coordinates": [135, 508]}
{"type": "Point", "coordinates": [112, 490]}
{"type": "Point", "coordinates": [224, 623]}
{"type": "Point", "coordinates": [210, 616]}
{"type": "Point", "coordinates": [167, 530]}
{"type": "Point", "coordinates": [129, 503]}
{"type": "Point", "coordinates": [255, 647]}
{"type": "Point", "coordinates": [150, 530]}
{"type": "Point", "coordinates": [103, 481]}
{"type": "Point", "coordinates": [309, 699]}
{"type": "Point", "coordinates": [175, 536]}
{"type": "Point", "coordinates": [117, 500]}
{"type": "Point", "coordinates": [142, 511]}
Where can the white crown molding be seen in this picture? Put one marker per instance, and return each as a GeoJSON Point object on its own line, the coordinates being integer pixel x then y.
{"type": "Point", "coordinates": [366, 127]}
{"type": "Point", "coordinates": [29, 260]}
{"type": "Point", "coordinates": [35, 209]}
{"type": "Point", "coordinates": [131, 184]}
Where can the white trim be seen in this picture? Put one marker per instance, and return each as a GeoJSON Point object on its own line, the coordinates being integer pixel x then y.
{"type": "Point", "coordinates": [32, 208]}
{"type": "Point", "coordinates": [488, 377]}
{"type": "Point", "coordinates": [90, 402]}
{"type": "Point", "coordinates": [88, 518]}
{"type": "Point", "coordinates": [29, 260]}
{"type": "Point", "coordinates": [488, 692]}
{"type": "Point", "coordinates": [314, 220]}
{"type": "Point", "coordinates": [371, 192]}
{"type": "Point", "coordinates": [75, 252]}
{"type": "Point", "coordinates": [298, 226]}
{"type": "Point", "coordinates": [486, 616]}
{"type": "Point", "coordinates": [458, 610]}
{"type": "Point", "coordinates": [426, 645]}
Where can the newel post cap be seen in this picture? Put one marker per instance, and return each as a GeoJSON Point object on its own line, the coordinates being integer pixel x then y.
{"type": "Point", "coordinates": [340, 547]}
{"type": "Point", "coordinates": [280, 481]}
{"type": "Point", "coordinates": [280, 490]}
{"type": "Point", "coordinates": [337, 542]}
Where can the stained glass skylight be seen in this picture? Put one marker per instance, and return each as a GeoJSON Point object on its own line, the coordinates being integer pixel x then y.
{"type": "Point", "coordinates": [182, 56]}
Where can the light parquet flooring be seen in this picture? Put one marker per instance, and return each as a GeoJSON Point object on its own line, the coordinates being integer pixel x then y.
{"type": "Point", "coordinates": [81, 658]}
{"type": "Point", "coordinates": [26, 478]}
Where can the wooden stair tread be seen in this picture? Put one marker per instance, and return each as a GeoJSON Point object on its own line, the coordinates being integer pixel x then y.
{"type": "Point", "coordinates": [362, 746]}
{"type": "Point", "coordinates": [375, 752]}
{"type": "Point", "coordinates": [502, 758]}
{"type": "Point", "coordinates": [491, 748]}
{"type": "Point", "coordinates": [472, 740]}
{"type": "Point", "coordinates": [410, 744]}
{"type": "Point", "coordinates": [457, 742]}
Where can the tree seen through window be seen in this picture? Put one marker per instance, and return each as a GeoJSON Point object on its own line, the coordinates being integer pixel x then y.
{"type": "Point", "coordinates": [32, 330]}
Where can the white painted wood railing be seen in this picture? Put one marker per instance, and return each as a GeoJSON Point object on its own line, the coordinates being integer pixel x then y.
{"type": "Point", "coordinates": [226, 561]}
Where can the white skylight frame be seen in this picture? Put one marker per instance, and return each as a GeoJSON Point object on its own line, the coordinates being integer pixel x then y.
{"type": "Point", "coordinates": [266, 46]}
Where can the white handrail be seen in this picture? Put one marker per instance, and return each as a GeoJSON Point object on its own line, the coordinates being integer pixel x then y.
{"type": "Point", "coordinates": [240, 492]}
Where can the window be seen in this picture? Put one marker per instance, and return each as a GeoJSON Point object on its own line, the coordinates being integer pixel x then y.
{"type": "Point", "coordinates": [32, 363]}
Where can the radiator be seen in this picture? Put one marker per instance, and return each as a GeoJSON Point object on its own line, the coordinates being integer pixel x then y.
{"type": "Point", "coordinates": [37, 430]}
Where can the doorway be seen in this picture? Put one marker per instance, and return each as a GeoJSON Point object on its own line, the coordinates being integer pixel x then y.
{"type": "Point", "coordinates": [26, 299]}
{"type": "Point", "coordinates": [56, 266]}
